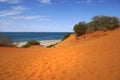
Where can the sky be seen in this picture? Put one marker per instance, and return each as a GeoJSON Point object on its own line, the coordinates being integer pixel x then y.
{"type": "Point", "coordinates": [52, 15]}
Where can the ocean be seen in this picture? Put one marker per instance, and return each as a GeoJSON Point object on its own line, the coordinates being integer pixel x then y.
{"type": "Point", "coordinates": [25, 36]}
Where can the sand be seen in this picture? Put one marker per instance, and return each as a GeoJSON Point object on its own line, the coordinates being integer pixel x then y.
{"type": "Point", "coordinates": [44, 43]}
{"type": "Point", "coordinates": [49, 42]}
{"type": "Point", "coordinates": [90, 57]}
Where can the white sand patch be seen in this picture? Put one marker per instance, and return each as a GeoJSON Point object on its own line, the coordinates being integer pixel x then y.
{"type": "Point", "coordinates": [44, 43]}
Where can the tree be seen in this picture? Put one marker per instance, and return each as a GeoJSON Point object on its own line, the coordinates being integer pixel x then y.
{"type": "Point", "coordinates": [105, 22]}
{"type": "Point", "coordinates": [114, 23]}
{"type": "Point", "coordinates": [91, 27]}
{"type": "Point", "coordinates": [80, 28]}
{"type": "Point", "coordinates": [97, 23]}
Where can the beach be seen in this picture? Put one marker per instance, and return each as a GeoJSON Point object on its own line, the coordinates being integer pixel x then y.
{"type": "Point", "coordinates": [59, 39]}
{"type": "Point", "coordinates": [44, 43]}
{"type": "Point", "coordinates": [89, 57]}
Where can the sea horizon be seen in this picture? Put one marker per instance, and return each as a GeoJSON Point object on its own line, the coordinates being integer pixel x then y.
{"type": "Point", "coordinates": [40, 36]}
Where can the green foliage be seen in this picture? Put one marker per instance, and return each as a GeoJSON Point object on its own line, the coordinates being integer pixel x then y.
{"type": "Point", "coordinates": [5, 41]}
{"type": "Point", "coordinates": [80, 28]}
{"type": "Point", "coordinates": [91, 27]}
{"type": "Point", "coordinates": [105, 22]}
{"type": "Point", "coordinates": [66, 36]}
{"type": "Point", "coordinates": [52, 45]}
{"type": "Point", "coordinates": [97, 23]}
{"type": "Point", "coordinates": [31, 43]}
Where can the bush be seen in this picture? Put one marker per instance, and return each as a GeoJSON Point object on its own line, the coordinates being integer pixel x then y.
{"type": "Point", "coordinates": [91, 27]}
{"type": "Point", "coordinates": [97, 23]}
{"type": "Point", "coordinates": [66, 36]}
{"type": "Point", "coordinates": [31, 43]}
{"type": "Point", "coordinates": [5, 41]}
{"type": "Point", "coordinates": [80, 28]}
{"type": "Point", "coordinates": [105, 22]}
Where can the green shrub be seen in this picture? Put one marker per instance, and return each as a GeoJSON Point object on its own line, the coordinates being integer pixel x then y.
{"type": "Point", "coordinates": [97, 23]}
{"type": "Point", "coordinates": [105, 22]}
{"type": "Point", "coordinates": [31, 43]}
{"type": "Point", "coordinates": [91, 27]}
{"type": "Point", "coordinates": [5, 41]}
{"type": "Point", "coordinates": [80, 28]}
{"type": "Point", "coordinates": [66, 36]}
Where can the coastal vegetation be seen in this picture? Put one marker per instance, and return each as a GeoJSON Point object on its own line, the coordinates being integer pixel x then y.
{"type": "Point", "coordinates": [66, 36]}
{"type": "Point", "coordinates": [80, 28]}
{"type": "Point", "coordinates": [98, 23]}
{"type": "Point", "coordinates": [103, 23]}
{"type": "Point", "coordinates": [31, 43]}
{"type": "Point", "coordinates": [6, 41]}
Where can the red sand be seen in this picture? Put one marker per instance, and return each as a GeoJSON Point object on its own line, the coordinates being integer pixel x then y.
{"type": "Point", "coordinates": [90, 57]}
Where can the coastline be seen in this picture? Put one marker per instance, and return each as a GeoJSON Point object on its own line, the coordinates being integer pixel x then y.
{"type": "Point", "coordinates": [44, 43]}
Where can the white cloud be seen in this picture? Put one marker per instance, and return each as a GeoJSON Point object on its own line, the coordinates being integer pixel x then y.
{"type": "Point", "coordinates": [41, 18]}
{"type": "Point", "coordinates": [45, 1]}
{"type": "Point", "coordinates": [5, 22]}
{"type": "Point", "coordinates": [21, 8]}
{"type": "Point", "coordinates": [89, 1]}
{"type": "Point", "coordinates": [13, 11]}
{"type": "Point", "coordinates": [10, 1]}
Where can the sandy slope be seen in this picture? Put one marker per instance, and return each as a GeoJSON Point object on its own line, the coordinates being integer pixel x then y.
{"type": "Point", "coordinates": [90, 57]}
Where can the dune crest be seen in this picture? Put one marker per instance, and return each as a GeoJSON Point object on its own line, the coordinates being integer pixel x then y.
{"type": "Point", "coordinates": [90, 57]}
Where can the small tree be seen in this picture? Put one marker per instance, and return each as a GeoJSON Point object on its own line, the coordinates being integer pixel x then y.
{"type": "Point", "coordinates": [97, 23]}
{"type": "Point", "coordinates": [105, 22]}
{"type": "Point", "coordinates": [80, 28]}
{"type": "Point", "coordinates": [91, 27]}
{"type": "Point", "coordinates": [114, 23]}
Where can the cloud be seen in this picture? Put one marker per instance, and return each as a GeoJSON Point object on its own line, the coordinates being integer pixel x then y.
{"type": "Point", "coordinates": [5, 22]}
{"type": "Point", "coordinates": [45, 1]}
{"type": "Point", "coordinates": [10, 1]}
{"type": "Point", "coordinates": [21, 8]}
{"type": "Point", "coordinates": [41, 18]}
{"type": "Point", "coordinates": [88, 2]}
{"type": "Point", "coordinates": [13, 11]}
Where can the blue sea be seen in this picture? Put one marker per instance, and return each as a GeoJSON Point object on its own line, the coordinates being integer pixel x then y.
{"type": "Point", "coordinates": [25, 36]}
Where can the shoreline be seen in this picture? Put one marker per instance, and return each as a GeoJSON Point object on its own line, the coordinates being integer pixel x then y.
{"type": "Point", "coordinates": [44, 43]}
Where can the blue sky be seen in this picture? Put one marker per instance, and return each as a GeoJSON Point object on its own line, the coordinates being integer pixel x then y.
{"type": "Point", "coordinates": [52, 15]}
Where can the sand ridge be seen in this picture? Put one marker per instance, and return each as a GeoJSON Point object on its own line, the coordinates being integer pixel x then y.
{"type": "Point", "coordinates": [73, 59]}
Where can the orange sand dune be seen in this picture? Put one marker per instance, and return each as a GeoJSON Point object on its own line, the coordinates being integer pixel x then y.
{"type": "Point", "coordinates": [90, 57]}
